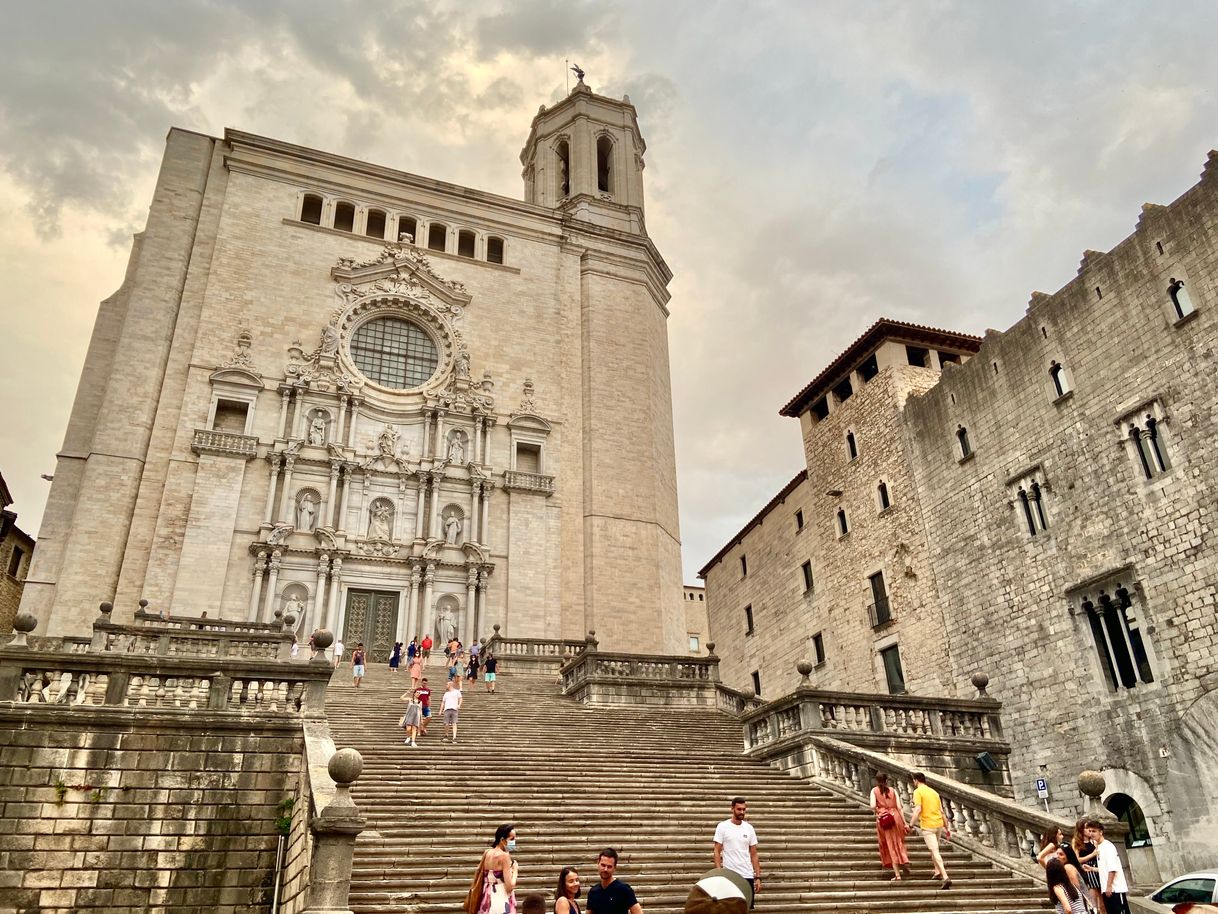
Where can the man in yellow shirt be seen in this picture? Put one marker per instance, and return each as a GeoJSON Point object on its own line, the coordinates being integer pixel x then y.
{"type": "Point", "coordinates": [928, 812]}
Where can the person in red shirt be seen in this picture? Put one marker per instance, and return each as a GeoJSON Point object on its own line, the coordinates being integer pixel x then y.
{"type": "Point", "coordinates": [426, 646]}
{"type": "Point", "coordinates": [423, 696]}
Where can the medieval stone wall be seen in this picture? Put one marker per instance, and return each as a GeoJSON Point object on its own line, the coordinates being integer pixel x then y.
{"type": "Point", "coordinates": [1013, 601]}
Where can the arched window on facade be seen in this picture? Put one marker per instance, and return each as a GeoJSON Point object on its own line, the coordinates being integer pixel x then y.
{"type": "Point", "coordinates": [1152, 453]}
{"type": "Point", "coordinates": [852, 446]}
{"type": "Point", "coordinates": [604, 164]}
{"type": "Point", "coordinates": [966, 447]}
{"type": "Point", "coordinates": [408, 225]}
{"type": "Point", "coordinates": [843, 525]}
{"type": "Point", "coordinates": [374, 223]}
{"type": "Point", "coordinates": [344, 217]}
{"type": "Point", "coordinates": [494, 249]}
{"type": "Point", "coordinates": [1117, 632]}
{"type": "Point", "coordinates": [1180, 299]}
{"type": "Point", "coordinates": [882, 496]}
{"type": "Point", "coordinates": [310, 209]}
{"type": "Point", "coordinates": [1061, 380]}
{"type": "Point", "coordinates": [1127, 810]}
{"type": "Point", "coordinates": [562, 153]}
{"type": "Point", "coordinates": [437, 236]}
{"type": "Point", "coordinates": [465, 243]}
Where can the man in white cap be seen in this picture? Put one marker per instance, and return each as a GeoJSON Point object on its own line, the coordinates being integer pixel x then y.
{"type": "Point", "coordinates": [736, 846]}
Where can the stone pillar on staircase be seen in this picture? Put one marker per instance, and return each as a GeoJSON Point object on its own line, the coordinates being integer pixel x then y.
{"type": "Point", "coordinates": [334, 831]}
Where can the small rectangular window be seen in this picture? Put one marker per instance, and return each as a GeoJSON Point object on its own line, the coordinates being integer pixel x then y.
{"type": "Point", "coordinates": [806, 569]}
{"type": "Point", "coordinates": [465, 243]}
{"type": "Point", "coordinates": [744, 566]}
{"type": "Point", "coordinates": [869, 368]}
{"type": "Point", "coordinates": [799, 521]}
{"type": "Point", "coordinates": [880, 611]}
{"type": "Point", "coordinates": [230, 416]}
{"type": "Point", "coordinates": [820, 409]}
{"type": "Point", "coordinates": [748, 620]}
{"type": "Point", "coordinates": [694, 645]}
{"type": "Point", "coordinates": [917, 356]}
{"type": "Point", "coordinates": [437, 237]}
{"type": "Point", "coordinates": [494, 250]}
{"type": "Point", "coordinates": [757, 683]}
{"type": "Point", "coordinates": [14, 561]}
{"type": "Point", "coordinates": [843, 390]}
{"type": "Point", "coordinates": [374, 226]}
{"type": "Point", "coordinates": [818, 647]}
{"type": "Point", "coordinates": [893, 673]}
{"type": "Point", "coordinates": [946, 357]}
{"type": "Point", "coordinates": [528, 457]}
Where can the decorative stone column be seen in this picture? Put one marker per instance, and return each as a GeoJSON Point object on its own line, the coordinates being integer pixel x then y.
{"type": "Point", "coordinates": [471, 596]}
{"type": "Point", "coordinates": [319, 595]}
{"type": "Point", "coordinates": [285, 394]}
{"type": "Point", "coordinates": [259, 571]}
{"type": "Point", "coordinates": [471, 519]}
{"type": "Point", "coordinates": [352, 429]}
{"type": "Point", "coordinates": [341, 523]}
{"type": "Point", "coordinates": [412, 605]}
{"type": "Point", "coordinates": [476, 457]}
{"type": "Point", "coordinates": [284, 516]}
{"type": "Point", "coordinates": [336, 587]}
{"type": "Point", "coordinates": [483, 607]}
{"type": "Point", "coordinates": [268, 604]}
{"type": "Point", "coordinates": [435, 506]}
{"type": "Point", "coordinates": [343, 403]}
{"type": "Point", "coordinates": [429, 578]}
{"type": "Point", "coordinates": [298, 417]}
{"type": "Point", "coordinates": [421, 491]}
{"type": "Point", "coordinates": [399, 514]}
{"type": "Point", "coordinates": [439, 451]}
{"type": "Point", "coordinates": [426, 434]}
{"type": "Point", "coordinates": [334, 831]}
{"type": "Point", "coordinates": [269, 514]}
{"type": "Point", "coordinates": [328, 514]}
{"type": "Point", "coordinates": [487, 489]}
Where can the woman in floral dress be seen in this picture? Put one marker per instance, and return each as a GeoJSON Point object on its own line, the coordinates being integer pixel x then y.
{"type": "Point", "coordinates": [499, 882]}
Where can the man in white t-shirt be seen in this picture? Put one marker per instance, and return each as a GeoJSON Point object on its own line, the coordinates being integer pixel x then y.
{"type": "Point", "coordinates": [736, 846]}
{"type": "Point", "coordinates": [452, 704]}
{"type": "Point", "coordinates": [1112, 874]}
{"type": "Point", "coordinates": [338, 652]}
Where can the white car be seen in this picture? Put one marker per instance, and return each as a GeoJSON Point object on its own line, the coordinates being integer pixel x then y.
{"type": "Point", "coordinates": [1191, 894]}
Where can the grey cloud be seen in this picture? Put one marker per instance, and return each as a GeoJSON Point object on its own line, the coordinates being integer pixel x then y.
{"type": "Point", "coordinates": [557, 27]}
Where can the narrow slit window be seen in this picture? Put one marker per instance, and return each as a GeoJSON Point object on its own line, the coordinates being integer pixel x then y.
{"type": "Point", "coordinates": [562, 153]}
{"type": "Point", "coordinates": [852, 446]}
{"type": "Point", "coordinates": [879, 610]}
{"type": "Point", "coordinates": [748, 620]}
{"type": "Point", "coordinates": [882, 494]}
{"type": "Point", "coordinates": [604, 164]}
{"type": "Point", "coordinates": [843, 525]}
{"type": "Point", "coordinates": [966, 447]}
{"type": "Point", "coordinates": [1061, 381]}
{"type": "Point", "coordinates": [744, 566]}
{"type": "Point", "coordinates": [757, 683]}
{"type": "Point", "coordinates": [799, 520]}
{"type": "Point", "coordinates": [1180, 300]}
{"type": "Point", "coordinates": [818, 648]}
{"type": "Point", "coordinates": [806, 570]}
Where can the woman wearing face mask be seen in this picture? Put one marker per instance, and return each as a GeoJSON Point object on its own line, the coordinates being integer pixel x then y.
{"type": "Point", "coordinates": [499, 879]}
{"type": "Point", "coordinates": [567, 892]}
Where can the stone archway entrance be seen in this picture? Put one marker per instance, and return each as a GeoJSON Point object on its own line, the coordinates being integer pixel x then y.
{"type": "Point", "coordinates": [372, 617]}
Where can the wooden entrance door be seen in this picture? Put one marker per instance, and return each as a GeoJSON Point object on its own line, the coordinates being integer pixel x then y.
{"type": "Point", "coordinates": [372, 617]}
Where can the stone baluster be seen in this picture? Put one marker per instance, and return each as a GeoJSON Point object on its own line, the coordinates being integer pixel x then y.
{"type": "Point", "coordinates": [435, 507]}
{"type": "Point", "coordinates": [334, 831]}
{"type": "Point", "coordinates": [471, 587]}
{"type": "Point", "coordinates": [285, 512]}
{"type": "Point", "coordinates": [268, 515]}
{"type": "Point", "coordinates": [256, 591]}
{"type": "Point", "coordinates": [336, 586]}
{"type": "Point", "coordinates": [285, 394]}
{"type": "Point", "coordinates": [345, 500]}
{"type": "Point", "coordinates": [429, 578]}
{"type": "Point", "coordinates": [269, 602]}
{"type": "Point", "coordinates": [343, 402]}
{"type": "Point", "coordinates": [319, 595]}
{"type": "Point", "coordinates": [328, 513]}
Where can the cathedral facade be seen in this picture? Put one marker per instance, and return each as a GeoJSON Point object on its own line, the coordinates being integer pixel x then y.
{"type": "Point", "coordinates": [1038, 506]}
{"type": "Point", "coordinates": [387, 405]}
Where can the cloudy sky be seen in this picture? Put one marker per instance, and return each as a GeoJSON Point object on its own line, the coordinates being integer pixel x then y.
{"type": "Point", "coordinates": [811, 167]}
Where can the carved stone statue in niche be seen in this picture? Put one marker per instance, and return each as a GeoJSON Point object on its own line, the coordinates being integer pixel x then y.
{"type": "Point", "coordinates": [295, 606]}
{"type": "Point", "coordinates": [317, 429]}
{"type": "Point", "coordinates": [446, 624]}
{"type": "Point", "coordinates": [378, 524]}
{"type": "Point", "coordinates": [456, 449]}
{"type": "Point", "coordinates": [329, 340]}
{"type": "Point", "coordinates": [387, 442]}
{"type": "Point", "coordinates": [306, 512]}
{"type": "Point", "coordinates": [452, 529]}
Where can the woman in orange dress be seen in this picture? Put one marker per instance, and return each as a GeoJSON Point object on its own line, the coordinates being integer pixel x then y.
{"type": "Point", "coordinates": [889, 826]}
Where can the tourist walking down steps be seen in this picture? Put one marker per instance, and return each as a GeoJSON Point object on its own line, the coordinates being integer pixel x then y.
{"type": "Point", "coordinates": [736, 846]}
{"type": "Point", "coordinates": [395, 658]}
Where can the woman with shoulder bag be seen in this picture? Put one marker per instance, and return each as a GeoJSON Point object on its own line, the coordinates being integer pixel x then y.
{"type": "Point", "coordinates": [889, 827]}
{"type": "Point", "coordinates": [494, 887]}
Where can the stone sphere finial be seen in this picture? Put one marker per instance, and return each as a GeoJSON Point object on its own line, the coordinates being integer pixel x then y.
{"type": "Point", "coordinates": [1091, 783]}
{"type": "Point", "coordinates": [496, 628]}
{"type": "Point", "coordinates": [345, 766]}
{"type": "Point", "coordinates": [143, 606]}
{"type": "Point", "coordinates": [804, 667]}
{"type": "Point", "coordinates": [278, 613]}
{"type": "Point", "coordinates": [748, 693]}
{"type": "Point", "coordinates": [322, 638]}
{"type": "Point", "coordinates": [289, 621]}
{"type": "Point", "coordinates": [104, 610]}
{"type": "Point", "coordinates": [980, 681]}
{"type": "Point", "coordinates": [591, 633]}
{"type": "Point", "coordinates": [710, 648]}
{"type": "Point", "coordinates": [23, 624]}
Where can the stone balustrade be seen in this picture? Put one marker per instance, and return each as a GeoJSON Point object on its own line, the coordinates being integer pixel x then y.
{"type": "Point", "coordinates": [203, 623]}
{"type": "Point", "coordinates": [640, 679]}
{"type": "Point", "coordinates": [106, 680]}
{"type": "Point", "coordinates": [989, 825]}
{"type": "Point", "coordinates": [528, 482]}
{"type": "Point", "coordinates": [227, 444]}
{"type": "Point", "coordinates": [735, 702]}
{"type": "Point", "coordinates": [537, 655]}
{"type": "Point", "coordinates": [938, 734]}
{"type": "Point", "coordinates": [145, 639]}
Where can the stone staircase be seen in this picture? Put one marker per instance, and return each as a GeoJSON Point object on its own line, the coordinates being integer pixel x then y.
{"type": "Point", "coordinates": [573, 779]}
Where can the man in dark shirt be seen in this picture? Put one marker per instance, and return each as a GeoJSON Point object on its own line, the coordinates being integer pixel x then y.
{"type": "Point", "coordinates": [489, 668]}
{"type": "Point", "coordinates": [423, 695]}
{"type": "Point", "coordinates": [611, 895]}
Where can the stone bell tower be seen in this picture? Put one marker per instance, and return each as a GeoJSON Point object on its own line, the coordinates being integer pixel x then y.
{"type": "Point", "coordinates": [584, 160]}
{"type": "Point", "coordinates": [585, 156]}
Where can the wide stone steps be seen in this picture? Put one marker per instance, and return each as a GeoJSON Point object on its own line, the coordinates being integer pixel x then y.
{"type": "Point", "coordinates": [651, 782]}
